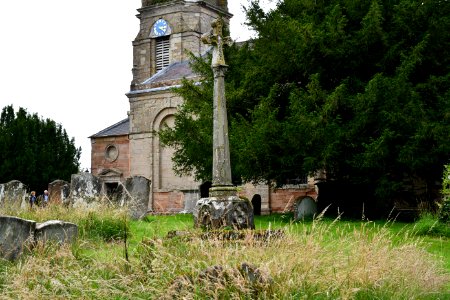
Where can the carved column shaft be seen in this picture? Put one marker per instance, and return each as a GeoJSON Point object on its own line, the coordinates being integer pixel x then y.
{"type": "Point", "coordinates": [221, 148]}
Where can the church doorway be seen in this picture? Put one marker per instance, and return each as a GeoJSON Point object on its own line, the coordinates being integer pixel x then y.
{"type": "Point", "coordinates": [256, 202]}
{"type": "Point", "coordinates": [204, 189]}
{"type": "Point", "coordinates": [113, 190]}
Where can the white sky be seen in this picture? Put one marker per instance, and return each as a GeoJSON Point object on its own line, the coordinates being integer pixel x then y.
{"type": "Point", "coordinates": [71, 61]}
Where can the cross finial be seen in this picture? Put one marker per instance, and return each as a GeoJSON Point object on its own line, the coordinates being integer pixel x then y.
{"type": "Point", "coordinates": [215, 38]}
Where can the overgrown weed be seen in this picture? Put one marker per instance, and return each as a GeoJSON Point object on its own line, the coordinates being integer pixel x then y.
{"type": "Point", "coordinates": [429, 224]}
{"type": "Point", "coordinates": [316, 259]}
{"type": "Point", "coordinates": [354, 265]}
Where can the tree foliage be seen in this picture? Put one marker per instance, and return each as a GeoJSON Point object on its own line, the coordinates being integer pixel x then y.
{"type": "Point", "coordinates": [35, 151]}
{"type": "Point", "coordinates": [360, 89]}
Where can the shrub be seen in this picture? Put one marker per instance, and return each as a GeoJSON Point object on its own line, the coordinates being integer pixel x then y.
{"type": "Point", "coordinates": [109, 227]}
{"type": "Point", "coordinates": [444, 207]}
{"type": "Point", "coordinates": [444, 210]}
{"type": "Point", "coordinates": [429, 224]}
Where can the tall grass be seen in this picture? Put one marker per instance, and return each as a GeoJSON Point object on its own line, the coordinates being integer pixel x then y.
{"type": "Point", "coordinates": [430, 225]}
{"type": "Point", "coordinates": [319, 260]}
{"type": "Point", "coordinates": [311, 265]}
{"type": "Point", "coordinates": [106, 223]}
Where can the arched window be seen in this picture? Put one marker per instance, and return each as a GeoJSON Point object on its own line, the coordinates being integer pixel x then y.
{"type": "Point", "coordinates": [256, 202]}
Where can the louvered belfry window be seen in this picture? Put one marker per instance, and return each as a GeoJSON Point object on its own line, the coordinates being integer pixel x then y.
{"type": "Point", "coordinates": [162, 53]}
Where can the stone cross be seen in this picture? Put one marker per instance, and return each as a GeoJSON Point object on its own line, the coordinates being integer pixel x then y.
{"type": "Point", "coordinates": [221, 150]}
{"type": "Point", "coordinates": [215, 38]}
{"type": "Point", "coordinates": [223, 207]}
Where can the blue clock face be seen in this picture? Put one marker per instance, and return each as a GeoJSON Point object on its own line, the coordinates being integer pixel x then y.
{"type": "Point", "coordinates": [160, 27]}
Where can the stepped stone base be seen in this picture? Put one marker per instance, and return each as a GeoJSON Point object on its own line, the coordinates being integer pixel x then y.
{"type": "Point", "coordinates": [225, 211]}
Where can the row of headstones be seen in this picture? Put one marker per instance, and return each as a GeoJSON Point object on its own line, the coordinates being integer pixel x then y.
{"type": "Point", "coordinates": [14, 193]}
{"type": "Point", "coordinates": [18, 234]}
{"type": "Point", "coordinates": [84, 190]}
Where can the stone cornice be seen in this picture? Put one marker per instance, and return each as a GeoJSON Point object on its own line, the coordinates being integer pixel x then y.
{"type": "Point", "coordinates": [214, 8]}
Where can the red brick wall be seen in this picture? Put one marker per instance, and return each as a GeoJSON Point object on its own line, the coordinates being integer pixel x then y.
{"type": "Point", "coordinates": [282, 200]}
{"type": "Point", "coordinates": [99, 161]}
{"type": "Point", "coordinates": [166, 202]}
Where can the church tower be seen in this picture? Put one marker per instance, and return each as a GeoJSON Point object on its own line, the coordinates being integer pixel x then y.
{"type": "Point", "coordinates": [169, 30]}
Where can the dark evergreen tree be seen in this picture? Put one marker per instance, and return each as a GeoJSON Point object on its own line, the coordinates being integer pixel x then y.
{"type": "Point", "coordinates": [35, 151]}
{"type": "Point", "coordinates": [360, 89]}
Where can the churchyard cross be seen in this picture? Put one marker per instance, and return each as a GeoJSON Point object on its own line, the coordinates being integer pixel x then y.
{"type": "Point", "coordinates": [223, 207]}
{"type": "Point", "coordinates": [221, 150]}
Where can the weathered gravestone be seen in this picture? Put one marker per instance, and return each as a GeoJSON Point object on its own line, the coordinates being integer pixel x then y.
{"type": "Point", "coordinates": [56, 231]}
{"type": "Point", "coordinates": [15, 235]}
{"type": "Point", "coordinates": [136, 196]}
{"type": "Point", "coordinates": [223, 208]}
{"type": "Point", "coordinates": [59, 191]}
{"type": "Point", "coordinates": [190, 200]}
{"type": "Point", "coordinates": [13, 194]}
{"type": "Point", "coordinates": [305, 208]}
{"type": "Point", "coordinates": [85, 190]}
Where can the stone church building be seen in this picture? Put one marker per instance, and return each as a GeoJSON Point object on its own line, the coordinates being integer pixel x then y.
{"type": "Point", "coordinates": [168, 31]}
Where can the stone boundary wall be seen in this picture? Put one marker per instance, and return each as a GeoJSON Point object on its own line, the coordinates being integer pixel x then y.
{"type": "Point", "coordinates": [278, 200]}
{"type": "Point", "coordinates": [168, 202]}
{"type": "Point", "coordinates": [283, 200]}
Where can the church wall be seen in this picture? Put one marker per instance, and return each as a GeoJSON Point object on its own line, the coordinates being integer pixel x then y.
{"type": "Point", "coordinates": [148, 113]}
{"type": "Point", "coordinates": [277, 200]}
{"type": "Point", "coordinates": [168, 202]}
{"type": "Point", "coordinates": [249, 191]}
{"type": "Point", "coordinates": [164, 176]}
{"type": "Point", "coordinates": [100, 155]}
{"type": "Point", "coordinates": [143, 53]}
{"type": "Point", "coordinates": [140, 155]}
{"type": "Point", "coordinates": [283, 199]}
{"type": "Point", "coordinates": [183, 43]}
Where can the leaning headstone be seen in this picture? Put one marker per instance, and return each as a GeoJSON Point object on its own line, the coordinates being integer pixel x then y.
{"type": "Point", "coordinates": [85, 190]}
{"type": "Point", "coordinates": [56, 231]}
{"type": "Point", "coordinates": [59, 191]}
{"type": "Point", "coordinates": [190, 199]}
{"type": "Point", "coordinates": [15, 235]}
{"type": "Point", "coordinates": [305, 208]}
{"type": "Point", "coordinates": [13, 194]}
{"type": "Point", "coordinates": [136, 196]}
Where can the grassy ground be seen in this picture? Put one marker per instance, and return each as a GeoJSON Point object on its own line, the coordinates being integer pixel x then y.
{"type": "Point", "coordinates": [325, 259]}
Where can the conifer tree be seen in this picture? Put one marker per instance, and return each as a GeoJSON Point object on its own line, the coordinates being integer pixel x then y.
{"type": "Point", "coordinates": [358, 88]}
{"type": "Point", "coordinates": [35, 151]}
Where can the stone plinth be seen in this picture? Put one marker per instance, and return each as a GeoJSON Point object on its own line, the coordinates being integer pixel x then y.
{"type": "Point", "coordinates": [220, 212]}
